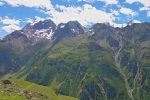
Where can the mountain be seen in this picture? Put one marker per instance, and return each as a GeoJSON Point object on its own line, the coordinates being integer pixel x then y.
{"type": "Point", "coordinates": [70, 29]}
{"type": "Point", "coordinates": [99, 63]}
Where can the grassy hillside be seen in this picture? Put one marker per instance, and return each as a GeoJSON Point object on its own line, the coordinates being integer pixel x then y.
{"type": "Point", "coordinates": [23, 90]}
{"type": "Point", "coordinates": [111, 64]}
{"type": "Point", "coordinates": [76, 67]}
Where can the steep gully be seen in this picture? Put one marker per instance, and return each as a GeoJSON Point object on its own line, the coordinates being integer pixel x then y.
{"type": "Point", "coordinates": [117, 60]}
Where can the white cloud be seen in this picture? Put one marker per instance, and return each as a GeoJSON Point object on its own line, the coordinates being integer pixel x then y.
{"type": "Point", "coordinates": [125, 24]}
{"type": "Point", "coordinates": [146, 9]}
{"type": "Point", "coordinates": [89, 1]}
{"type": "Point", "coordinates": [29, 3]}
{"type": "Point", "coordinates": [107, 2]}
{"type": "Point", "coordinates": [115, 12]}
{"type": "Point", "coordinates": [1, 3]}
{"type": "Point", "coordinates": [148, 14]}
{"type": "Point", "coordinates": [10, 28]}
{"type": "Point", "coordinates": [85, 15]}
{"type": "Point", "coordinates": [7, 21]}
{"type": "Point", "coordinates": [119, 25]}
{"type": "Point", "coordinates": [128, 11]}
{"type": "Point", "coordinates": [10, 25]}
{"type": "Point", "coordinates": [29, 20]}
{"type": "Point", "coordinates": [136, 21]}
{"type": "Point", "coordinates": [146, 4]}
{"type": "Point", "coordinates": [35, 20]}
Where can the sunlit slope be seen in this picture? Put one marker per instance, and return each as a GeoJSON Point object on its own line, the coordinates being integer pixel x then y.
{"type": "Point", "coordinates": [23, 90]}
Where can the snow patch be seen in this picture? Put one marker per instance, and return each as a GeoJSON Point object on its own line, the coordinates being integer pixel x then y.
{"type": "Point", "coordinates": [44, 33]}
{"type": "Point", "coordinates": [91, 32]}
{"type": "Point", "coordinates": [62, 26]}
{"type": "Point", "coordinates": [73, 30]}
{"type": "Point", "coordinates": [49, 36]}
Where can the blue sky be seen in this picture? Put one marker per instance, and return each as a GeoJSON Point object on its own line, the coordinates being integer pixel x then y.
{"type": "Point", "coordinates": [15, 14]}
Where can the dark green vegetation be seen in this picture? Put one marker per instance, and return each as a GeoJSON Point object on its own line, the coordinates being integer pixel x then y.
{"type": "Point", "coordinates": [101, 63]}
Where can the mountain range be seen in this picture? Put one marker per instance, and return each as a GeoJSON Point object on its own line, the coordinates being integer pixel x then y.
{"type": "Point", "coordinates": [97, 63]}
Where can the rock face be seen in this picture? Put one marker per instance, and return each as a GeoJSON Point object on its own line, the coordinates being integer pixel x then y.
{"type": "Point", "coordinates": [70, 29]}
{"type": "Point", "coordinates": [100, 63]}
{"type": "Point", "coordinates": [6, 82]}
{"type": "Point", "coordinates": [74, 28]}
{"type": "Point", "coordinates": [46, 24]}
{"type": "Point", "coordinates": [40, 30]}
{"type": "Point", "coordinates": [33, 33]}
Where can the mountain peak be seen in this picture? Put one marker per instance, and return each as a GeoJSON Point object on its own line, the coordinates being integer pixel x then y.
{"type": "Point", "coordinates": [73, 24]}
{"type": "Point", "coordinates": [101, 26]}
{"type": "Point", "coordinates": [45, 25]}
{"type": "Point", "coordinates": [74, 28]}
{"type": "Point", "coordinates": [40, 30]}
{"type": "Point", "coordinates": [70, 29]}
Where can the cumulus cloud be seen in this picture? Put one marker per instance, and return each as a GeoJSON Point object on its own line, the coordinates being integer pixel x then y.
{"type": "Point", "coordinates": [29, 20]}
{"type": "Point", "coordinates": [136, 21]}
{"type": "Point", "coordinates": [146, 9]}
{"type": "Point", "coordinates": [7, 21]}
{"type": "Point", "coordinates": [115, 12]}
{"type": "Point", "coordinates": [107, 2]}
{"type": "Point", "coordinates": [119, 25]}
{"type": "Point", "coordinates": [148, 14]}
{"type": "Point", "coordinates": [35, 20]}
{"type": "Point", "coordinates": [86, 14]}
{"type": "Point", "coordinates": [29, 3]}
{"type": "Point", "coordinates": [145, 3]}
{"type": "Point", "coordinates": [89, 1]}
{"type": "Point", "coordinates": [128, 11]}
{"type": "Point", "coordinates": [10, 28]}
{"type": "Point", "coordinates": [10, 25]}
{"type": "Point", "coordinates": [1, 3]}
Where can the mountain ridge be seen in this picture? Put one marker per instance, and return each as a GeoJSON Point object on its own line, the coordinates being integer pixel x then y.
{"type": "Point", "coordinates": [48, 23]}
{"type": "Point", "coordinates": [101, 62]}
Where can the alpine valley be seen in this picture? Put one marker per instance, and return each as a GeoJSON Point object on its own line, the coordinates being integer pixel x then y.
{"type": "Point", "coordinates": [45, 61]}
